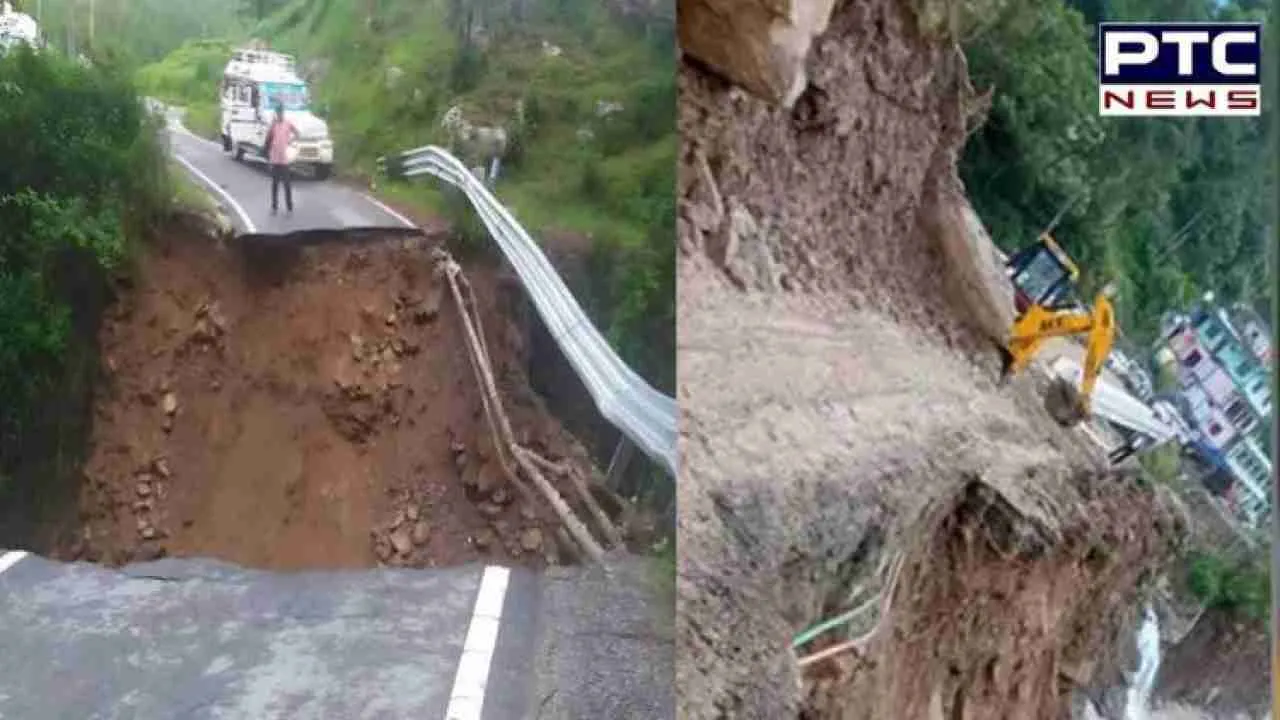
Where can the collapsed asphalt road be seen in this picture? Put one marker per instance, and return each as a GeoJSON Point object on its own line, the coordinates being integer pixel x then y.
{"type": "Point", "coordinates": [203, 639]}
{"type": "Point", "coordinates": [243, 189]}
{"type": "Point", "coordinates": [199, 638]}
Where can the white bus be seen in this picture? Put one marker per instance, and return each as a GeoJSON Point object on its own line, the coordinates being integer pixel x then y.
{"type": "Point", "coordinates": [254, 83]}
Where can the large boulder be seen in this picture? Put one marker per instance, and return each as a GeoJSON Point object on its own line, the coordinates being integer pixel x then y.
{"type": "Point", "coordinates": [761, 45]}
{"type": "Point", "coordinates": [473, 143]}
{"type": "Point", "coordinates": [976, 276]}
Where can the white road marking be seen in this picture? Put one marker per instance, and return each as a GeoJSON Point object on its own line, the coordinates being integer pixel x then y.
{"type": "Point", "coordinates": [467, 699]}
{"type": "Point", "coordinates": [382, 206]}
{"type": "Point", "coordinates": [244, 216]}
{"type": "Point", "coordinates": [11, 558]}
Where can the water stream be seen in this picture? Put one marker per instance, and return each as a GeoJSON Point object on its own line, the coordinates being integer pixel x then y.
{"type": "Point", "coordinates": [1138, 699]}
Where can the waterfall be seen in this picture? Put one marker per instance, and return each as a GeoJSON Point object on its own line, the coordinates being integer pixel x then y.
{"type": "Point", "coordinates": [1137, 705]}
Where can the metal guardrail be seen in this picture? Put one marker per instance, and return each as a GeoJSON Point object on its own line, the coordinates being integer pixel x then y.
{"type": "Point", "coordinates": [644, 415]}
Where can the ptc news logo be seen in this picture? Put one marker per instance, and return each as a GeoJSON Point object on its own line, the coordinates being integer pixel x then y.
{"type": "Point", "coordinates": [1177, 69]}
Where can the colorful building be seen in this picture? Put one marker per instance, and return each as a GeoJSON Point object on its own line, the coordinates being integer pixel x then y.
{"type": "Point", "coordinates": [1221, 360]}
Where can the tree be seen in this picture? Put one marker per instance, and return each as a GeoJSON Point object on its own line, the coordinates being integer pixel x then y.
{"type": "Point", "coordinates": [258, 10]}
{"type": "Point", "coordinates": [1170, 207]}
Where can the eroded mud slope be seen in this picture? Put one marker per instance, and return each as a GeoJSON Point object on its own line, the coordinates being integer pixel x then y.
{"type": "Point", "coordinates": [840, 417]}
{"type": "Point", "coordinates": [295, 407]}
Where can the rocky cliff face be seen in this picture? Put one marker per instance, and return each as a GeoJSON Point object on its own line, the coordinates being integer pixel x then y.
{"type": "Point", "coordinates": [844, 443]}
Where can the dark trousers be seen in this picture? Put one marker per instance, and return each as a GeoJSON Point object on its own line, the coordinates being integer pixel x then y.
{"type": "Point", "coordinates": [280, 174]}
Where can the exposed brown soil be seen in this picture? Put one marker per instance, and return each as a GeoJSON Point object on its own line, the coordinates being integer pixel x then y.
{"type": "Point", "coordinates": [302, 407]}
{"type": "Point", "coordinates": [1234, 684]}
{"type": "Point", "coordinates": [991, 628]}
{"type": "Point", "coordinates": [839, 413]}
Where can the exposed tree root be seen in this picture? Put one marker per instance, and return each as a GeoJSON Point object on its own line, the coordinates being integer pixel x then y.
{"type": "Point", "coordinates": [512, 455]}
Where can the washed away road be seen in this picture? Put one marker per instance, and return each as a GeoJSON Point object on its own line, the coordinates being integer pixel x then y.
{"type": "Point", "coordinates": [198, 638]}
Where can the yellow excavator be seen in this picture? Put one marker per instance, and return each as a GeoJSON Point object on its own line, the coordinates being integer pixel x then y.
{"type": "Point", "coordinates": [1044, 278]}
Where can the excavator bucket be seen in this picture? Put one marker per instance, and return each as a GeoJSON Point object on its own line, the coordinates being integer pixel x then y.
{"type": "Point", "coordinates": [1064, 403]}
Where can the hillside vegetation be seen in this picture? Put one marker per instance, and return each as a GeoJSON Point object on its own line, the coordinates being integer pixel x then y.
{"type": "Point", "coordinates": [1166, 208]}
{"type": "Point", "coordinates": [82, 175]}
{"type": "Point", "coordinates": [189, 77]}
{"type": "Point", "coordinates": [587, 91]}
{"type": "Point", "coordinates": [133, 31]}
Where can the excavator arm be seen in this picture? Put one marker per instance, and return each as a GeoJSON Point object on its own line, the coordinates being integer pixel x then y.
{"type": "Point", "coordinates": [1102, 332]}
{"type": "Point", "coordinates": [1039, 324]}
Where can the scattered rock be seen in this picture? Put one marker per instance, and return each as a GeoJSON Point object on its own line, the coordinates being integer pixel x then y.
{"type": "Point", "coordinates": [421, 532]}
{"type": "Point", "coordinates": [393, 76]}
{"type": "Point", "coordinates": [167, 424]}
{"type": "Point", "coordinates": [161, 468]}
{"type": "Point", "coordinates": [147, 553]}
{"type": "Point", "coordinates": [141, 506]}
{"type": "Point", "coordinates": [411, 512]}
{"type": "Point", "coordinates": [501, 496]}
{"type": "Point", "coordinates": [490, 510]}
{"type": "Point", "coordinates": [485, 539]}
{"type": "Point", "coordinates": [429, 309]}
{"type": "Point", "coordinates": [1079, 673]}
{"type": "Point", "coordinates": [148, 533]}
{"type": "Point", "coordinates": [605, 108]}
{"type": "Point", "coordinates": [77, 549]}
{"type": "Point", "coordinates": [382, 549]}
{"type": "Point", "coordinates": [144, 489]}
{"type": "Point", "coordinates": [401, 541]}
{"type": "Point", "coordinates": [170, 403]}
{"type": "Point", "coordinates": [391, 320]}
{"type": "Point", "coordinates": [531, 539]}
{"type": "Point", "coordinates": [488, 479]}
{"type": "Point", "coordinates": [210, 325]}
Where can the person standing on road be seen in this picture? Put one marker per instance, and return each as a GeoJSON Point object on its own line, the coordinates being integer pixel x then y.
{"type": "Point", "coordinates": [279, 135]}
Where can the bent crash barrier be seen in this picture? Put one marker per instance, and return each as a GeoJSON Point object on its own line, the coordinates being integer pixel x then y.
{"type": "Point", "coordinates": [645, 416]}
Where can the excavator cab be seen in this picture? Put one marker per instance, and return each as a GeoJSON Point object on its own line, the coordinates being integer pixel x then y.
{"type": "Point", "coordinates": [1042, 274]}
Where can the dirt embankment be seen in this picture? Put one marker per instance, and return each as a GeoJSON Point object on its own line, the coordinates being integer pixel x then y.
{"type": "Point", "coordinates": [303, 407]}
{"type": "Point", "coordinates": [841, 419]}
{"type": "Point", "coordinates": [1235, 684]}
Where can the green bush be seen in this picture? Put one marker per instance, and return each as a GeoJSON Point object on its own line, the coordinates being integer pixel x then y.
{"type": "Point", "coordinates": [82, 171]}
{"type": "Point", "coordinates": [1238, 586]}
{"type": "Point", "coordinates": [190, 75]}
